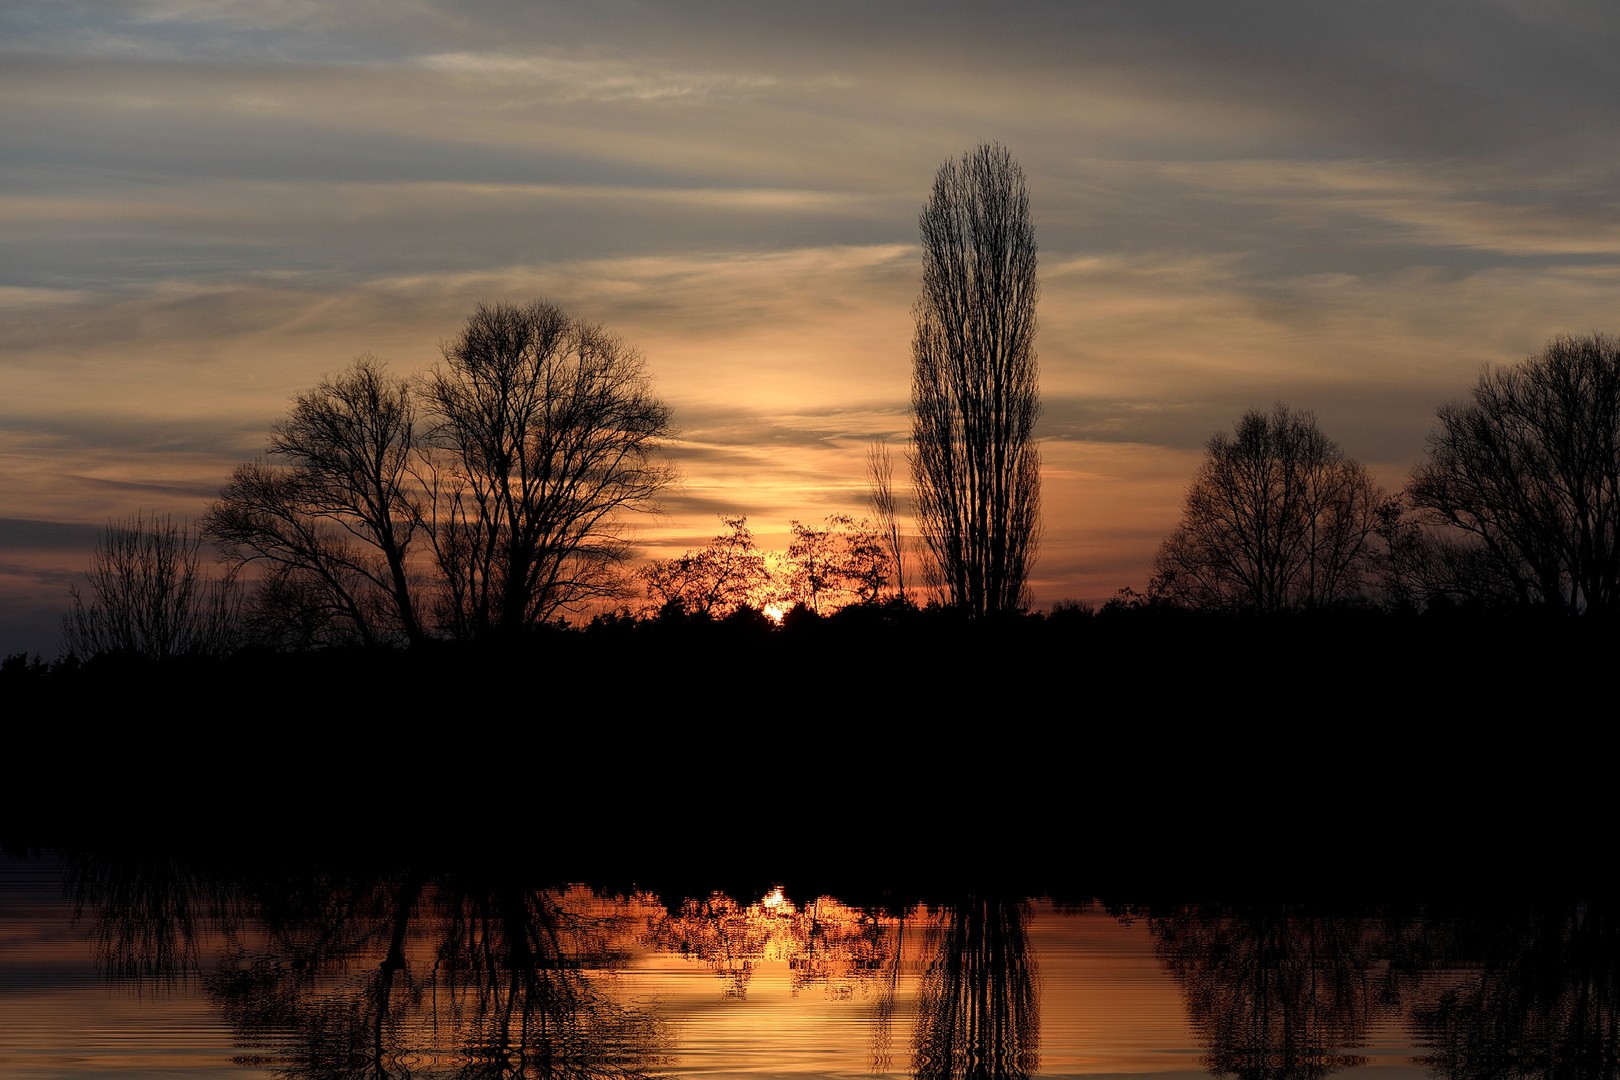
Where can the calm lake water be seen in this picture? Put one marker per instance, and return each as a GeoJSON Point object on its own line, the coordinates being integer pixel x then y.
{"type": "Point", "coordinates": [142, 968]}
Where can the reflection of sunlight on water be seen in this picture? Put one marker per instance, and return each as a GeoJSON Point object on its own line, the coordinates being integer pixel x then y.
{"type": "Point", "coordinates": [763, 989]}
{"type": "Point", "coordinates": [819, 985]}
{"type": "Point", "coordinates": [778, 1028]}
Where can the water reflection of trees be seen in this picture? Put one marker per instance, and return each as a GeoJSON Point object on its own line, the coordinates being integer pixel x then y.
{"type": "Point", "coordinates": [977, 1003]}
{"type": "Point", "coordinates": [1274, 992]}
{"type": "Point", "coordinates": [326, 975]}
{"type": "Point", "coordinates": [1538, 996]}
{"type": "Point", "coordinates": [978, 1007]}
{"type": "Point", "coordinates": [408, 976]}
{"type": "Point", "coordinates": [149, 916]}
{"type": "Point", "coordinates": [824, 943]}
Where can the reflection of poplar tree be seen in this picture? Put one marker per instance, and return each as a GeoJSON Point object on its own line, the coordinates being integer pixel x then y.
{"type": "Point", "coordinates": [883, 1006]}
{"type": "Point", "coordinates": [1273, 993]}
{"type": "Point", "coordinates": [1545, 1001]}
{"type": "Point", "coordinates": [978, 1009]}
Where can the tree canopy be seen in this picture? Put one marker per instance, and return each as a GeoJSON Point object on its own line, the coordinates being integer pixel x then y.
{"type": "Point", "coordinates": [1277, 518]}
{"type": "Point", "coordinates": [485, 498]}
{"type": "Point", "coordinates": [1522, 482]}
{"type": "Point", "coordinates": [975, 394]}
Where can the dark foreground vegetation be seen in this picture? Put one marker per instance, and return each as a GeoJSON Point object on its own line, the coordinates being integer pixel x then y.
{"type": "Point", "coordinates": [1325, 688]}
{"type": "Point", "coordinates": [1348, 752]}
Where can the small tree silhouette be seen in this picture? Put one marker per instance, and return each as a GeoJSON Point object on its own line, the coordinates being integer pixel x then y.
{"type": "Point", "coordinates": [150, 596]}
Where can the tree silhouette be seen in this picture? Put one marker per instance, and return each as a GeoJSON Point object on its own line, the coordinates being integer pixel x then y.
{"type": "Point", "coordinates": [150, 596]}
{"type": "Point", "coordinates": [846, 562]}
{"type": "Point", "coordinates": [1277, 518]}
{"type": "Point", "coordinates": [1527, 473]}
{"type": "Point", "coordinates": [543, 436]}
{"type": "Point", "coordinates": [715, 581]}
{"type": "Point", "coordinates": [547, 435]}
{"type": "Point", "coordinates": [332, 515]}
{"type": "Point", "coordinates": [880, 477]}
{"type": "Point", "coordinates": [974, 392]}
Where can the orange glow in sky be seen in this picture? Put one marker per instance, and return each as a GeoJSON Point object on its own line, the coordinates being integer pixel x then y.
{"type": "Point", "coordinates": [208, 207]}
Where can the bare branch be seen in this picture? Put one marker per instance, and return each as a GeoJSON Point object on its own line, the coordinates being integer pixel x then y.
{"type": "Point", "coordinates": [974, 383]}
{"type": "Point", "coordinates": [1276, 519]}
{"type": "Point", "coordinates": [547, 437]}
{"type": "Point", "coordinates": [150, 596]}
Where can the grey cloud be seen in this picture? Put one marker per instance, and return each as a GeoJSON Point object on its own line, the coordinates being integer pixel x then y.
{"type": "Point", "coordinates": [181, 31]}
{"type": "Point", "coordinates": [100, 434]}
{"type": "Point", "coordinates": [359, 233]}
{"type": "Point", "coordinates": [709, 429]}
{"type": "Point", "coordinates": [155, 493]}
{"type": "Point", "coordinates": [27, 533]}
{"type": "Point", "coordinates": [1347, 208]}
{"type": "Point", "coordinates": [32, 627]}
{"type": "Point", "coordinates": [1065, 418]}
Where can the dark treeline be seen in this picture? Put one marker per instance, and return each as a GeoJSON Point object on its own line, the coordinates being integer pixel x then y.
{"type": "Point", "coordinates": [490, 499]}
{"type": "Point", "coordinates": [1324, 687]}
{"type": "Point", "coordinates": [1325, 753]}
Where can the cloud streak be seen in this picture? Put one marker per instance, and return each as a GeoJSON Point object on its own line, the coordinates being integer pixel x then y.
{"type": "Point", "coordinates": [206, 206]}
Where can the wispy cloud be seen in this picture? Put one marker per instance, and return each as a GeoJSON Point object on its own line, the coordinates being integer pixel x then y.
{"type": "Point", "coordinates": [207, 205]}
{"type": "Point", "coordinates": [567, 78]}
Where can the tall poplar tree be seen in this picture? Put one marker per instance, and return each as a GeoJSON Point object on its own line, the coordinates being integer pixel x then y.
{"type": "Point", "coordinates": [974, 390]}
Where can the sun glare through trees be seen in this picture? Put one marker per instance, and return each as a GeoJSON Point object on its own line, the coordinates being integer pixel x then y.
{"type": "Point", "coordinates": [497, 493]}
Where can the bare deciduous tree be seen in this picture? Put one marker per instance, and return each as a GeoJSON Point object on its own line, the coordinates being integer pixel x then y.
{"type": "Point", "coordinates": [333, 515]}
{"type": "Point", "coordinates": [543, 435]}
{"type": "Point", "coordinates": [1425, 562]}
{"type": "Point", "coordinates": [823, 569]}
{"type": "Point", "coordinates": [974, 383]}
{"type": "Point", "coordinates": [728, 574]}
{"type": "Point", "coordinates": [846, 562]}
{"type": "Point", "coordinates": [151, 596]}
{"type": "Point", "coordinates": [880, 477]}
{"type": "Point", "coordinates": [1276, 519]}
{"type": "Point", "coordinates": [547, 435]}
{"type": "Point", "coordinates": [1527, 474]}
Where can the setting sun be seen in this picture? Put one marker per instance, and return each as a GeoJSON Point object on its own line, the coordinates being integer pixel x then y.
{"type": "Point", "coordinates": [217, 209]}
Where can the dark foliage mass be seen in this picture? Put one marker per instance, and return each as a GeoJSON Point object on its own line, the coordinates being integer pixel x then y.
{"type": "Point", "coordinates": [1300, 752]}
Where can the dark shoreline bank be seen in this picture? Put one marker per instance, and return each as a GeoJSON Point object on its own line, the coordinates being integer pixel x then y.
{"type": "Point", "coordinates": [1347, 755]}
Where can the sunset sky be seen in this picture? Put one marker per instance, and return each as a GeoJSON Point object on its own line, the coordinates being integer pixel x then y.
{"type": "Point", "coordinates": [1349, 208]}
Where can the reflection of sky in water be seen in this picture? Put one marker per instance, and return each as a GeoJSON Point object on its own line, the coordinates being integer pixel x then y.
{"type": "Point", "coordinates": [59, 1018]}
{"type": "Point", "coordinates": [794, 990]}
